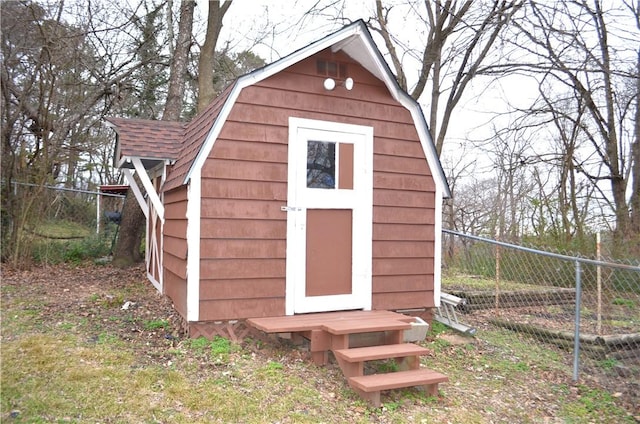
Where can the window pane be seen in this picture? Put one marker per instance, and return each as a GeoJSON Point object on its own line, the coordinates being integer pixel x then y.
{"type": "Point", "coordinates": [321, 164]}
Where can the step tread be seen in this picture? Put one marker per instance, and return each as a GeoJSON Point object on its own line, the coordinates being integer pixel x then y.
{"type": "Point", "coordinates": [368, 326]}
{"type": "Point", "coordinates": [396, 380]}
{"type": "Point", "coordinates": [372, 353]}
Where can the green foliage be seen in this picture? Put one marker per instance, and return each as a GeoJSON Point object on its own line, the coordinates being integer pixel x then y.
{"type": "Point", "coordinates": [391, 406]}
{"type": "Point", "coordinates": [436, 328]}
{"type": "Point", "coordinates": [272, 369]}
{"type": "Point", "coordinates": [220, 346]}
{"type": "Point", "coordinates": [229, 66]}
{"type": "Point", "coordinates": [106, 338]}
{"type": "Point", "coordinates": [62, 229]}
{"type": "Point", "coordinates": [217, 349]}
{"type": "Point", "coordinates": [591, 405]}
{"type": "Point", "coordinates": [199, 344]}
{"type": "Point", "coordinates": [608, 363]}
{"type": "Point", "coordinates": [156, 324]}
{"type": "Point", "coordinates": [624, 302]}
{"type": "Point", "coordinates": [47, 251]}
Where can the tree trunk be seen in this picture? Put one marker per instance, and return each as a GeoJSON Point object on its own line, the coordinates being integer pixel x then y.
{"type": "Point", "coordinates": [132, 227]}
{"type": "Point", "coordinates": [173, 107]}
{"type": "Point", "coordinates": [127, 250]}
{"type": "Point", "coordinates": [206, 91]}
{"type": "Point", "coordinates": [635, 173]}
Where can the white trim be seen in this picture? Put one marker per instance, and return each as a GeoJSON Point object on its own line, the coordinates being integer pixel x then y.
{"type": "Point", "coordinates": [128, 175]}
{"type": "Point", "coordinates": [163, 177]}
{"type": "Point", "coordinates": [154, 245]}
{"type": "Point", "coordinates": [157, 284]}
{"type": "Point", "coordinates": [437, 251]}
{"type": "Point", "coordinates": [359, 200]}
{"type": "Point", "coordinates": [148, 185]}
{"type": "Point", "coordinates": [292, 221]}
{"type": "Point", "coordinates": [193, 246]}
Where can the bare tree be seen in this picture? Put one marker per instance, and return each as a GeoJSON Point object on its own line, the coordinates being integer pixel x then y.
{"type": "Point", "coordinates": [179, 63]}
{"type": "Point", "coordinates": [460, 37]}
{"type": "Point", "coordinates": [577, 47]}
{"type": "Point", "coordinates": [58, 78]}
{"type": "Point", "coordinates": [206, 91]}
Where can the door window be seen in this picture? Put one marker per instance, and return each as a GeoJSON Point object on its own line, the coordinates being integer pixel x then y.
{"type": "Point", "coordinates": [328, 163]}
{"type": "Point", "coordinates": [321, 164]}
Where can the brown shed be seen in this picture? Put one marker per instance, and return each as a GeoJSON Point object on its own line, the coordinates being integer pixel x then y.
{"type": "Point", "coordinates": [309, 185]}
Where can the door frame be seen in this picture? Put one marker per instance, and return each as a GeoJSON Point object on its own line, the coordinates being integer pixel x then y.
{"type": "Point", "coordinates": [361, 204]}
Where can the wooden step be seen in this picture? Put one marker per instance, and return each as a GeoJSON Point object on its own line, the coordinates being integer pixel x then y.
{"type": "Point", "coordinates": [308, 322]}
{"type": "Point", "coordinates": [365, 326]}
{"type": "Point", "coordinates": [373, 353]}
{"type": "Point", "coordinates": [396, 380]}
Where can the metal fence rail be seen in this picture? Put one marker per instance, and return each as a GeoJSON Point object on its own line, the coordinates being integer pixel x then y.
{"type": "Point", "coordinates": [52, 223]}
{"type": "Point", "coordinates": [591, 307]}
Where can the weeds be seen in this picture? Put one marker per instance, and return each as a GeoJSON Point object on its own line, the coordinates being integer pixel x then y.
{"type": "Point", "coordinates": [156, 324]}
{"type": "Point", "coordinates": [591, 405]}
{"type": "Point", "coordinates": [608, 363]}
{"type": "Point", "coordinates": [624, 302]}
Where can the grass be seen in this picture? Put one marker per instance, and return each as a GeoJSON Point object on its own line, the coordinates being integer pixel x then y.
{"type": "Point", "coordinates": [624, 302]}
{"type": "Point", "coordinates": [157, 324]}
{"type": "Point", "coordinates": [48, 378]}
{"type": "Point", "coordinates": [75, 368]}
{"type": "Point", "coordinates": [457, 281]}
{"type": "Point", "coordinates": [60, 229]}
{"type": "Point", "coordinates": [590, 406]}
{"type": "Point", "coordinates": [62, 377]}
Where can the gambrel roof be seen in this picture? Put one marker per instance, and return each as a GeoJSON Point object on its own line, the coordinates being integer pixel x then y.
{"type": "Point", "coordinates": [191, 149]}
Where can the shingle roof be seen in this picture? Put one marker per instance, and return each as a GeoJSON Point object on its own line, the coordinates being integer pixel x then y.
{"type": "Point", "coordinates": [195, 134]}
{"type": "Point", "coordinates": [148, 139]}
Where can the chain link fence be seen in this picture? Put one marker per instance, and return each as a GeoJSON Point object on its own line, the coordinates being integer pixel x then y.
{"type": "Point", "coordinates": [50, 224]}
{"type": "Point", "coordinates": [582, 306]}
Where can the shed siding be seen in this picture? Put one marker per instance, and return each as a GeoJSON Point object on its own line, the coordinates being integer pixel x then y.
{"type": "Point", "coordinates": [244, 184]}
{"type": "Point", "coordinates": [175, 248]}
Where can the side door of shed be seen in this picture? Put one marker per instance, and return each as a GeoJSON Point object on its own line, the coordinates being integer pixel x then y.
{"type": "Point", "coordinates": [329, 216]}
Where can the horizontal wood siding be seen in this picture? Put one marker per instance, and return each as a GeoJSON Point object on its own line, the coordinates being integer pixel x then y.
{"type": "Point", "coordinates": [214, 310]}
{"type": "Point", "coordinates": [175, 287]}
{"type": "Point", "coordinates": [244, 185]}
{"type": "Point", "coordinates": [175, 248]}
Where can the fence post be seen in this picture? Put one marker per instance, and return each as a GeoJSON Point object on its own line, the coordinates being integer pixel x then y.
{"type": "Point", "coordinates": [599, 288]}
{"type": "Point", "coordinates": [98, 214]}
{"type": "Point", "coordinates": [576, 337]}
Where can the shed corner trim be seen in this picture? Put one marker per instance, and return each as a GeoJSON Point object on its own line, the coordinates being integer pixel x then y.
{"type": "Point", "coordinates": [193, 246]}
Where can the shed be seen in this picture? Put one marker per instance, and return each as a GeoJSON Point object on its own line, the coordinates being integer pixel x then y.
{"type": "Point", "coordinates": [309, 185]}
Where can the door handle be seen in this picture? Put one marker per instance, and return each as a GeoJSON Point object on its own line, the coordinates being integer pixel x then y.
{"type": "Point", "coordinates": [290, 209]}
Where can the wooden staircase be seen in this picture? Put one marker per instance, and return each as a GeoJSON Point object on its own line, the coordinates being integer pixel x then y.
{"type": "Point", "coordinates": [333, 332]}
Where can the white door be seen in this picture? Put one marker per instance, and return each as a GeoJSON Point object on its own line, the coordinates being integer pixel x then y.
{"type": "Point", "coordinates": [329, 216]}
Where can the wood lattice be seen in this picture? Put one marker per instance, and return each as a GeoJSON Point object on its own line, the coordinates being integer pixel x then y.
{"type": "Point", "coordinates": [235, 331]}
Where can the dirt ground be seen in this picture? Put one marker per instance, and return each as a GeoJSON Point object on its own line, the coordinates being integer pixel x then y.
{"type": "Point", "coordinates": [90, 291]}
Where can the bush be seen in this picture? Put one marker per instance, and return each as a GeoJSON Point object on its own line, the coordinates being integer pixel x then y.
{"type": "Point", "coordinates": [74, 251]}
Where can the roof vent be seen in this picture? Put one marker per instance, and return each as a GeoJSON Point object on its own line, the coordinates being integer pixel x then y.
{"type": "Point", "coordinates": [329, 68]}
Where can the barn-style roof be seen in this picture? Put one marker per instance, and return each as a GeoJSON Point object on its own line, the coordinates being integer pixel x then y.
{"type": "Point", "coordinates": [190, 150]}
